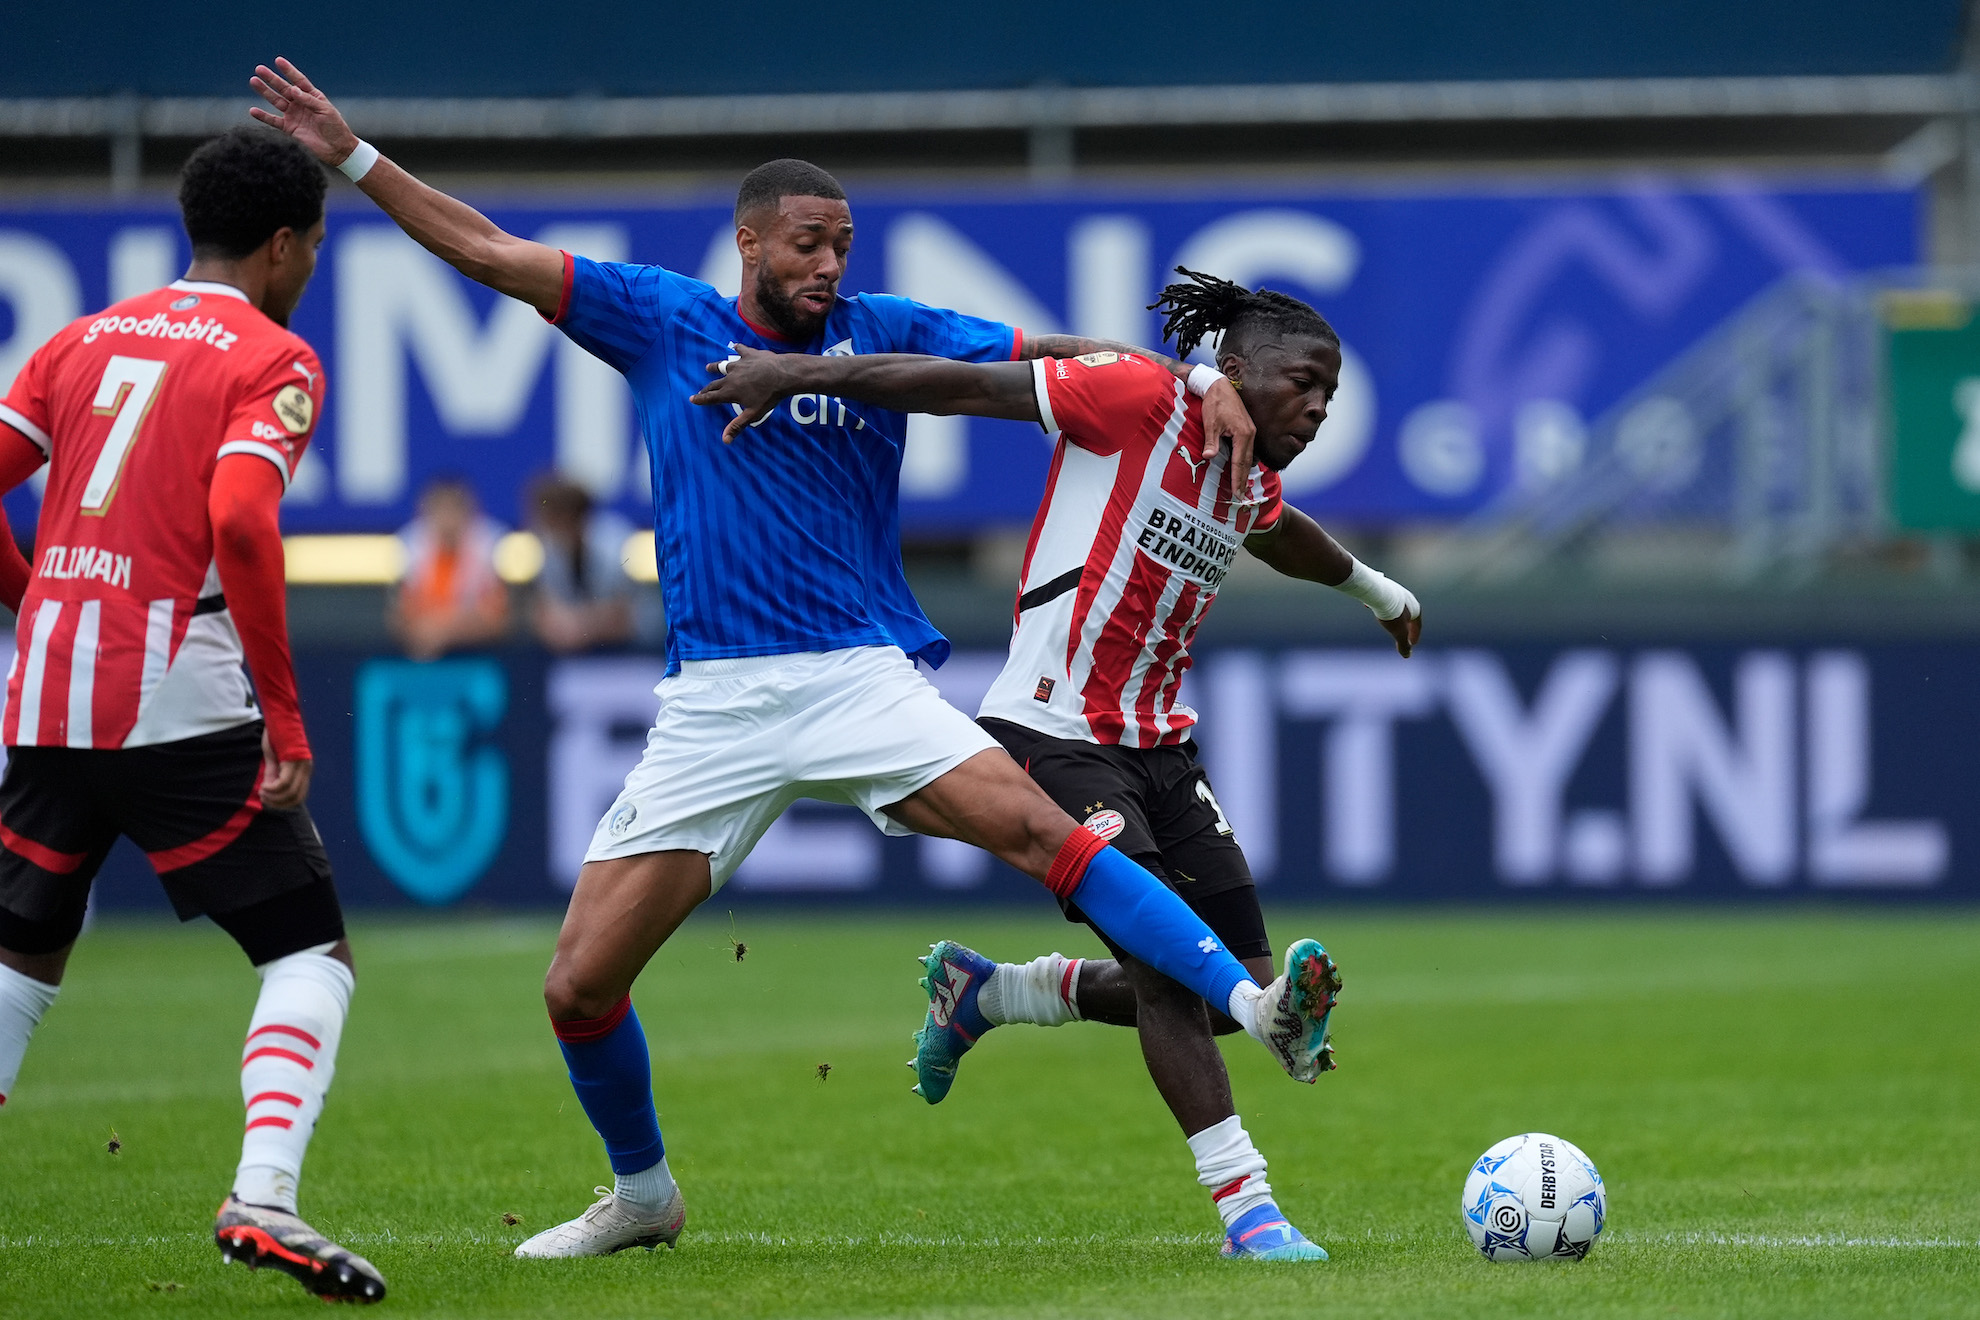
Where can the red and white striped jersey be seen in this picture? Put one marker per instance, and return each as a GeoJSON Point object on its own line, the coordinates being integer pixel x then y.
{"type": "Point", "coordinates": [1134, 536]}
{"type": "Point", "coordinates": [124, 639]}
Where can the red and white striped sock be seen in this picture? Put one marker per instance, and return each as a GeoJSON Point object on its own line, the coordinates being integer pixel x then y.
{"type": "Point", "coordinates": [22, 1002]}
{"type": "Point", "coordinates": [1043, 992]}
{"type": "Point", "coordinates": [1231, 1168]}
{"type": "Point", "coordinates": [286, 1067]}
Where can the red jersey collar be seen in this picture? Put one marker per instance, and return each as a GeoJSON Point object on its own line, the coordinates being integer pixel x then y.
{"type": "Point", "coordinates": [761, 331]}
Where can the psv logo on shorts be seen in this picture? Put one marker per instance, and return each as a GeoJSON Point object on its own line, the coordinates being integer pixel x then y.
{"type": "Point", "coordinates": [1106, 823]}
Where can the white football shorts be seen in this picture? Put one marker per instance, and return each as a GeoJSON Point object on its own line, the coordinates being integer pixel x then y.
{"type": "Point", "coordinates": [738, 741]}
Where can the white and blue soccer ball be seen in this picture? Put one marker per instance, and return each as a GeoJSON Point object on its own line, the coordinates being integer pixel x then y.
{"type": "Point", "coordinates": [1534, 1197]}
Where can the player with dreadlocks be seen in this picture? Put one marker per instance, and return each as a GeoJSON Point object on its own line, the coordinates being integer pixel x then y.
{"type": "Point", "coordinates": [1134, 536]}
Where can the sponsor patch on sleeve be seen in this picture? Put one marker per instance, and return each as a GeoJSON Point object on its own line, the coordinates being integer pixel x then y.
{"type": "Point", "coordinates": [294, 408]}
{"type": "Point", "coordinates": [1098, 359]}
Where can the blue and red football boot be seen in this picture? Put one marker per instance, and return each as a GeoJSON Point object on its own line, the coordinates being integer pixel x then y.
{"type": "Point", "coordinates": [1264, 1234]}
{"type": "Point", "coordinates": [955, 976]}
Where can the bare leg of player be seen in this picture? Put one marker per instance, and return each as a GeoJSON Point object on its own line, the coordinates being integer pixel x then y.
{"type": "Point", "coordinates": [622, 911]}
{"type": "Point", "coordinates": [1107, 993]}
{"type": "Point", "coordinates": [990, 801]}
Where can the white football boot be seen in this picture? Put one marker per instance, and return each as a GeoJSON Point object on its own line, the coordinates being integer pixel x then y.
{"type": "Point", "coordinates": [609, 1226]}
{"type": "Point", "coordinates": [1293, 1014]}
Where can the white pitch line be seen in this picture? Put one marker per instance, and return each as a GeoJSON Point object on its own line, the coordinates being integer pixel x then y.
{"type": "Point", "coordinates": [1791, 1240]}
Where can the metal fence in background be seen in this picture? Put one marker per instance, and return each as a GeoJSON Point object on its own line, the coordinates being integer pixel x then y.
{"type": "Point", "coordinates": [1777, 435]}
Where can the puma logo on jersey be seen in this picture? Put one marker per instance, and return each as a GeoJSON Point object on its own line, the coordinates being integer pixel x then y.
{"type": "Point", "coordinates": [308, 375]}
{"type": "Point", "coordinates": [69, 562]}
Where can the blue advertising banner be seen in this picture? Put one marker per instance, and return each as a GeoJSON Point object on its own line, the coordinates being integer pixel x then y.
{"type": "Point", "coordinates": [1468, 774]}
{"type": "Point", "coordinates": [1482, 330]}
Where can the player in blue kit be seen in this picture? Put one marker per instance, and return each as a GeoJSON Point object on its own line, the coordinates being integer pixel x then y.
{"type": "Point", "coordinates": [792, 636]}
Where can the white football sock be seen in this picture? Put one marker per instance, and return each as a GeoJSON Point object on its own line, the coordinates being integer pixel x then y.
{"type": "Point", "coordinates": [1043, 992]}
{"type": "Point", "coordinates": [649, 1189]}
{"type": "Point", "coordinates": [22, 1002]}
{"type": "Point", "coordinates": [1247, 999]}
{"type": "Point", "coordinates": [1231, 1168]}
{"type": "Point", "coordinates": [286, 1067]}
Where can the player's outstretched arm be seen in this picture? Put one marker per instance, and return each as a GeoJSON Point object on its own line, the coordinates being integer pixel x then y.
{"type": "Point", "coordinates": [450, 229]}
{"type": "Point", "coordinates": [1300, 547]}
{"type": "Point", "coordinates": [755, 381]}
{"type": "Point", "coordinates": [1224, 412]}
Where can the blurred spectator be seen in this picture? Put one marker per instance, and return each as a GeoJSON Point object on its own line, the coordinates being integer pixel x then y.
{"type": "Point", "coordinates": [450, 596]}
{"type": "Point", "coordinates": [584, 597]}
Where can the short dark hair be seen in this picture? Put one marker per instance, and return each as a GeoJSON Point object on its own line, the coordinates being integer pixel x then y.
{"type": "Point", "coordinates": [1207, 305]}
{"type": "Point", "coordinates": [241, 187]}
{"type": "Point", "coordinates": [774, 180]}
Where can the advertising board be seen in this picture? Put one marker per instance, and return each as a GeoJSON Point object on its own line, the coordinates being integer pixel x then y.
{"type": "Point", "coordinates": [1483, 330]}
{"type": "Point", "coordinates": [1474, 774]}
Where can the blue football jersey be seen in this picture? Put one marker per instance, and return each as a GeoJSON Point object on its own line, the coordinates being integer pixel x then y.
{"type": "Point", "coordinates": [789, 538]}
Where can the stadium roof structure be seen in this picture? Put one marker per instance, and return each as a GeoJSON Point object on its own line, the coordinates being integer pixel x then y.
{"type": "Point", "coordinates": [1158, 83]}
{"type": "Point", "coordinates": [614, 48]}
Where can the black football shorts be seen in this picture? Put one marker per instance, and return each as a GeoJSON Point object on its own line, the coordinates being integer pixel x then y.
{"type": "Point", "coordinates": [1155, 805]}
{"type": "Point", "coordinates": [194, 807]}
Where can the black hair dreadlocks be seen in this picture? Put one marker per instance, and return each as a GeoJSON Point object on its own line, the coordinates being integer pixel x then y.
{"type": "Point", "coordinates": [1206, 306]}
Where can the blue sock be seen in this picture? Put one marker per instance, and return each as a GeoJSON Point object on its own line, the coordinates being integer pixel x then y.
{"type": "Point", "coordinates": [1145, 917]}
{"type": "Point", "coordinates": [614, 1082]}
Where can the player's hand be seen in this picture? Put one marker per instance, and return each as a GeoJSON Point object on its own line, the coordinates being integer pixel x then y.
{"type": "Point", "coordinates": [1405, 628]}
{"type": "Point", "coordinates": [752, 382]}
{"type": "Point", "coordinates": [1224, 415]}
{"type": "Point", "coordinates": [284, 784]}
{"type": "Point", "coordinates": [302, 112]}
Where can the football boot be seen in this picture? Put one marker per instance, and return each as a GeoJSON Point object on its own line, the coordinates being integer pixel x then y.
{"type": "Point", "coordinates": [610, 1225]}
{"type": "Point", "coordinates": [258, 1235]}
{"type": "Point", "coordinates": [1295, 1011]}
{"type": "Point", "coordinates": [955, 976]}
{"type": "Point", "coordinates": [1264, 1234]}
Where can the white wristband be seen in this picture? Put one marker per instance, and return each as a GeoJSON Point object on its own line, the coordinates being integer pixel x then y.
{"type": "Point", "coordinates": [1388, 598]}
{"type": "Point", "coordinates": [1201, 377]}
{"type": "Point", "coordinates": [358, 164]}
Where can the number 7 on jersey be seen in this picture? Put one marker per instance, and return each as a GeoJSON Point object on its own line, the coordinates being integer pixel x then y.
{"type": "Point", "coordinates": [126, 392]}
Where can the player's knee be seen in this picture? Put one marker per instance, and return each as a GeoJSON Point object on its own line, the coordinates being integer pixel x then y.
{"type": "Point", "coordinates": [570, 996]}
{"type": "Point", "coordinates": [1046, 827]}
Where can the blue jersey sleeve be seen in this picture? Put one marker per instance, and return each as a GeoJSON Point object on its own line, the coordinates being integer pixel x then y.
{"type": "Point", "coordinates": [614, 310]}
{"type": "Point", "coordinates": [916, 328]}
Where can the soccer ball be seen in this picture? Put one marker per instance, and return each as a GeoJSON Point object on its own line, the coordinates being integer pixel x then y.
{"type": "Point", "coordinates": [1534, 1197]}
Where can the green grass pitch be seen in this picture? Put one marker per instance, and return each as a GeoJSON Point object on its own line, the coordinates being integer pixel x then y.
{"type": "Point", "coordinates": [1786, 1108]}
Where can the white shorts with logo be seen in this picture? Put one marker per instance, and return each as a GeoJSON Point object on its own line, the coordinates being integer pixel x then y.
{"type": "Point", "coordinates": [738, 741]}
